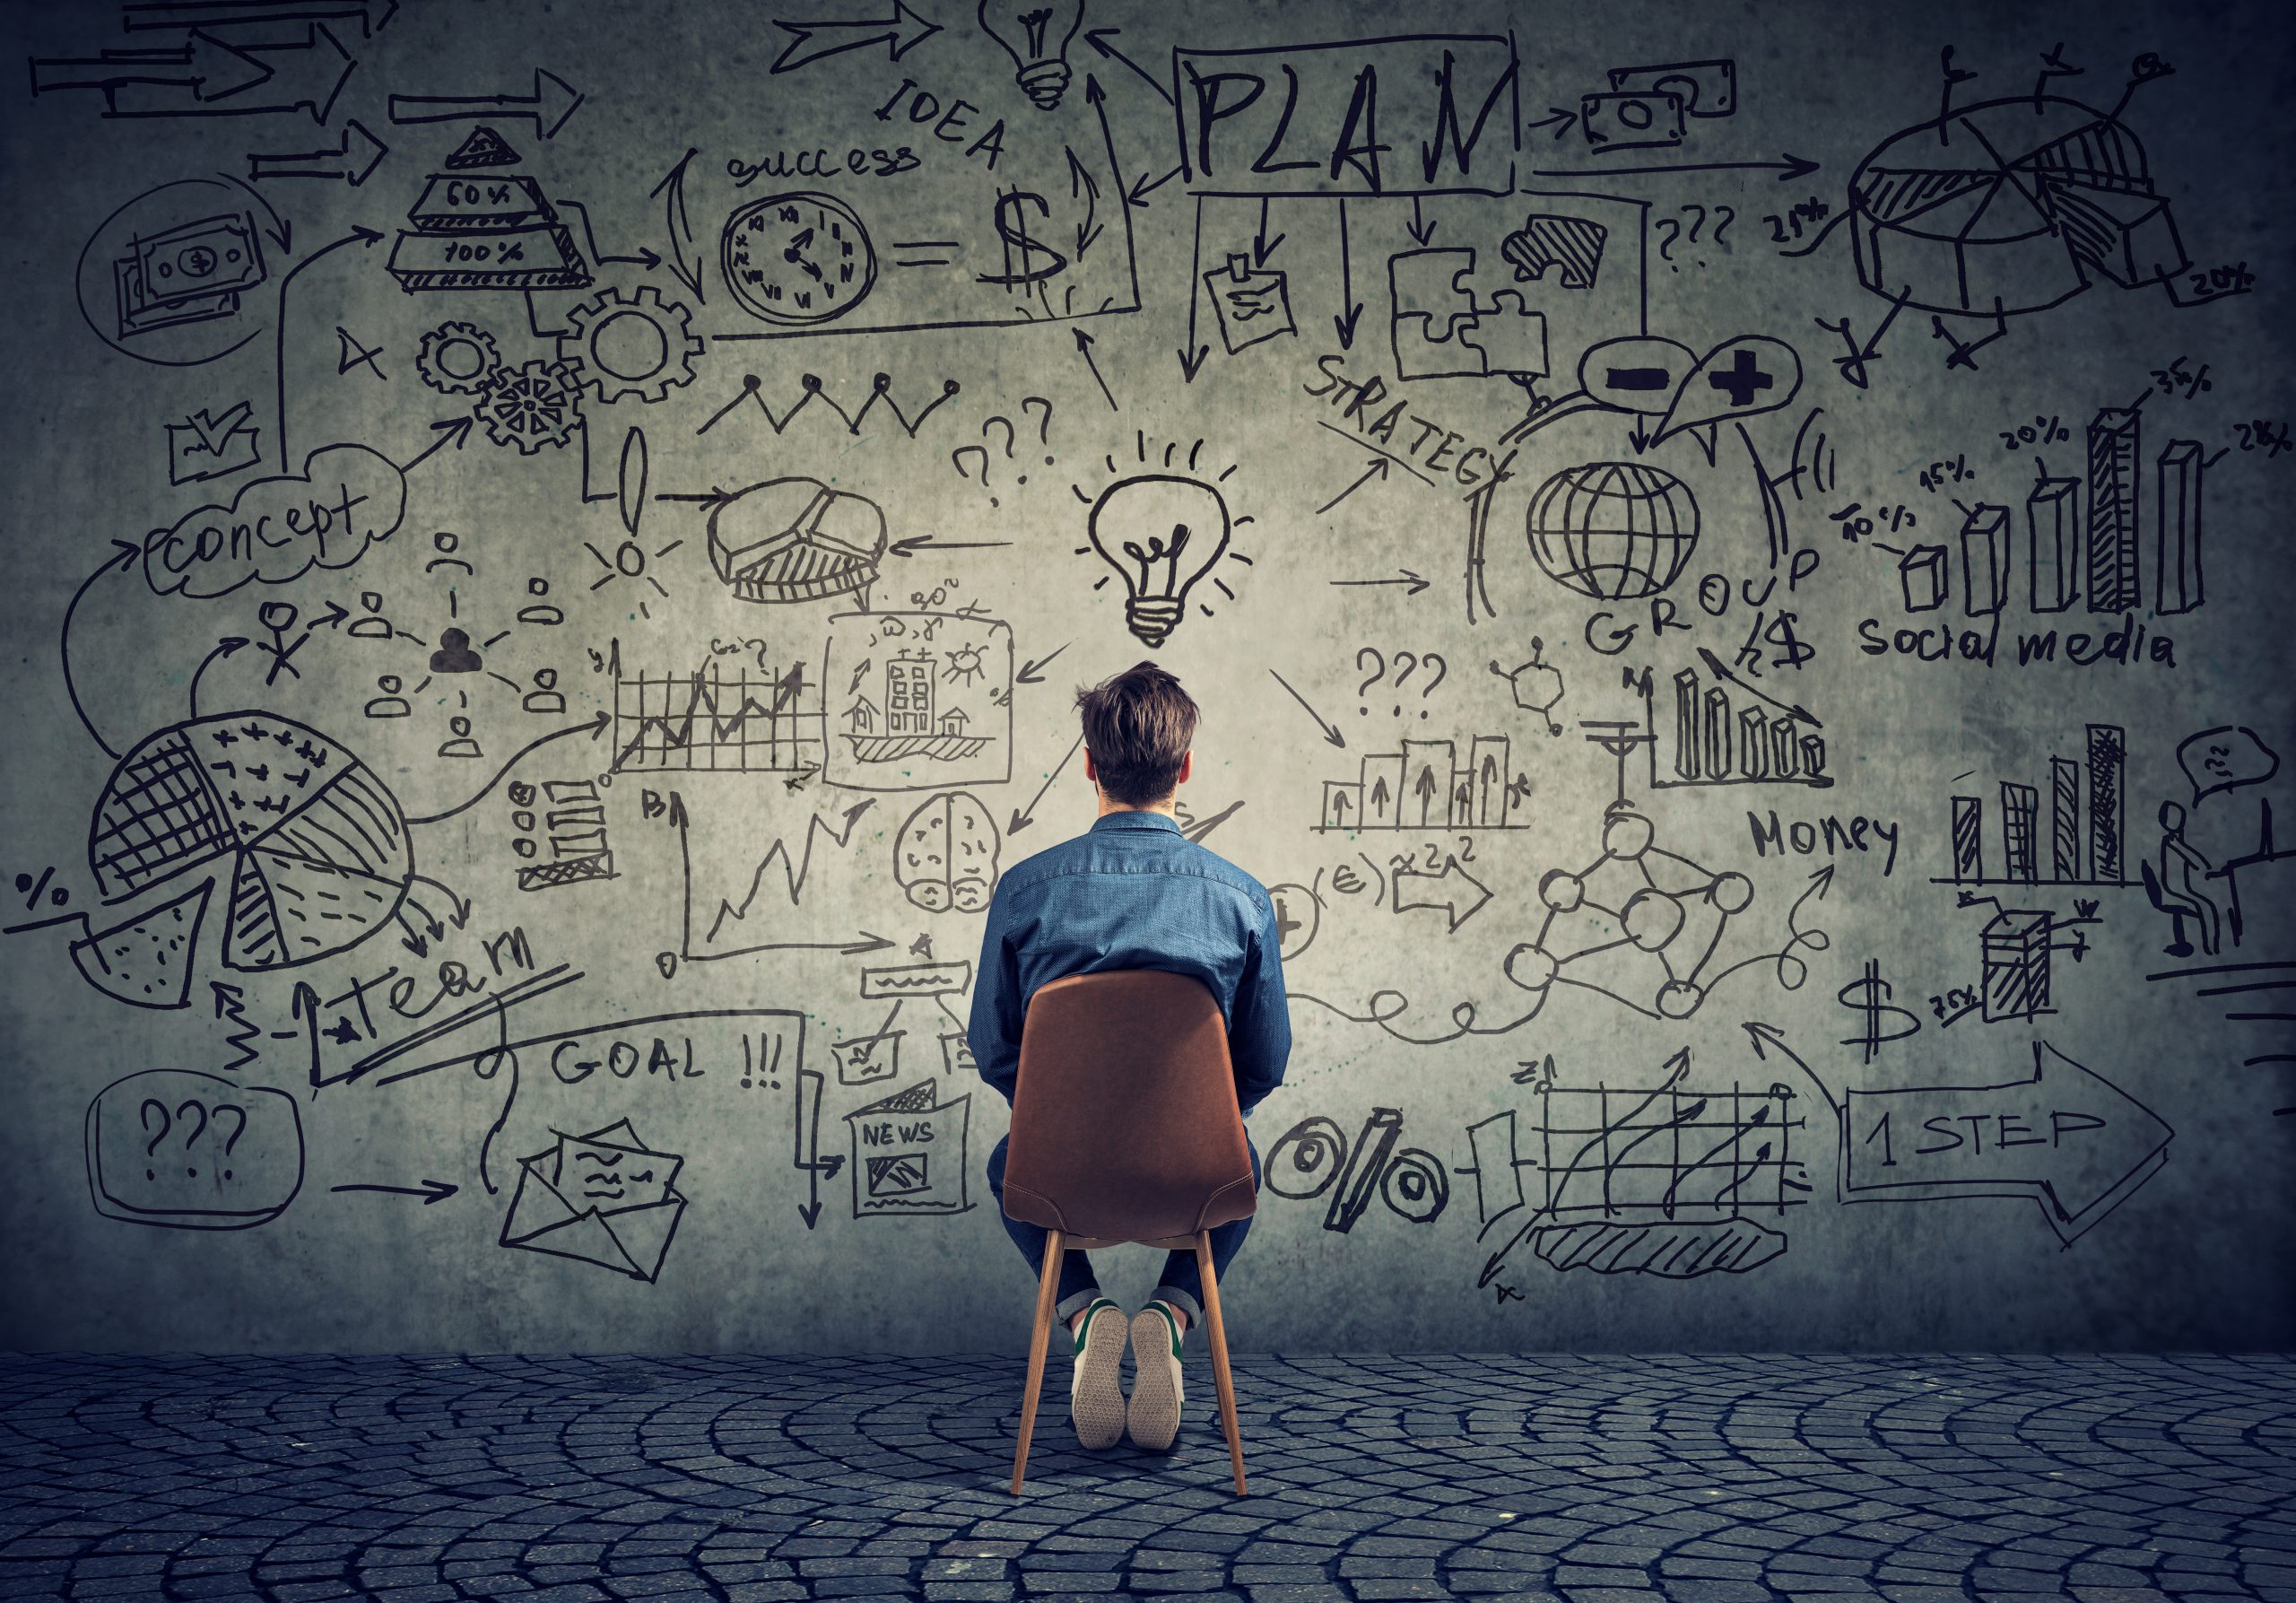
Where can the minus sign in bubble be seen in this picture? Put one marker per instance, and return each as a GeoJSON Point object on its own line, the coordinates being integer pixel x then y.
{"type": "Point", "coordinates": [1637, 378]}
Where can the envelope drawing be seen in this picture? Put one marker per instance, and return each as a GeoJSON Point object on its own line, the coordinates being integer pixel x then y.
{"type": "Point", "coordinates": [605, 1198]}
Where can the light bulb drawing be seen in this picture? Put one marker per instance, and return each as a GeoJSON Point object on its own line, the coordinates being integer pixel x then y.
{"type": "Point", "coordinates": [1162, 533]}
{"type": "Point", "coordinates": [1035, 33]}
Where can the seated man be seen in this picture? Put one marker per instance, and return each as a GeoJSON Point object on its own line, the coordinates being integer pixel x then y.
{"type": "Point", "coordinates": [1132, 893]}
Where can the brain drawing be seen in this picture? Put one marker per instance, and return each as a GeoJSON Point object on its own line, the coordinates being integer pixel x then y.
{"type": "Point", "coordinates": [946, 855]}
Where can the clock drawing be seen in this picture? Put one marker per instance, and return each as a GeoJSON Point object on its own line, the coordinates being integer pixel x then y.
{"type": "Point", "coordinates": [798, 259]}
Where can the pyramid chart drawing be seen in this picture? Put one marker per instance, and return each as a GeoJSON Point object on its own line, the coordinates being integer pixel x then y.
{"type": "Point", "coordinates": [311, 845]}
{"type": "Point", "coordinates": [2009, 207]}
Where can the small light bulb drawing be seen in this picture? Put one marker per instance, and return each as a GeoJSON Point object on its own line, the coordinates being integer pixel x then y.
{"type": "Point", "coordinates": [1160, 533]}
{"type": "Point", "coordinates": [1035, 33]}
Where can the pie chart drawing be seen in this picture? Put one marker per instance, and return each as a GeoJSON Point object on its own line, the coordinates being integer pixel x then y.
{"type": "Point", "coordinates": [310, 845]}
{"type": "Point", "coordinates": [2009, 207]}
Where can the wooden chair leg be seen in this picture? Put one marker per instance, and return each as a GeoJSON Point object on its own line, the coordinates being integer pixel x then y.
{"type": "Point", "coordinates": [1047, 1285]}
{"type": "Point", "coordinates": [1218, 1340]}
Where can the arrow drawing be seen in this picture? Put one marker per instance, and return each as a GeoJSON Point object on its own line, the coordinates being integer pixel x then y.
{"type": "Point", "coordinates": [595, 727]}
{"type": "Point", "coordinates": [1379, 469]}
{"type": "Point", "coordinates": [1098, 38]}
{"type": "Point", "coordinates": [807, 1156]}
{"type": "Point", "coordinates": [671, 191]}
{"type": "Point", "coordinates": [1025, 816]}
{"type": "Point", "coordinates": [1405, 575]}
{"type": "Point", "coordinates": [1084, 349]}
{"type": "Point", "coordinates": [365, 238]}
{"type": "Point", "coordinates": [864, 943]}
{"type": "Point", "coordinates": [430, 1190]}
{"type": "Point", "coordinates": [1457, 892]}
{"type": "Point", "coordinates": [1032, 673]}
{"type": "Point", "coordinates": [2064, 1135]}
{"type": "Point", "coordinates": [354, 159]}
{"type": "Point", "coordinates": [1331, 730]}
{"type": "Point", "coordinates": [207, 76]}
{"type": "Point", "coordinates": [144, 16]}
{"type": "Point", "coordinates": [1791, 166]}
{"type": "Point", "coordinates": [553, 101]}
{"type": "Point", "coordinates": [903, 31]}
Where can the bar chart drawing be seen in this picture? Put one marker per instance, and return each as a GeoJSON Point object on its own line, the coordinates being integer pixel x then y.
{"type": "Point", "coordinates": [1722, 731]}
{"type": "Point", "coordinates": [1430, 785]}
{"type": "Point", "coordinates": [2073, 551]}
{"type": "Point", "coordinates": [2113, 441]}
{"type": "Point", "coordinates": [2086, 826]}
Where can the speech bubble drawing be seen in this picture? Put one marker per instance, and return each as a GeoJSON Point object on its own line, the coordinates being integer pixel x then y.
{"type": "Point", "coordinates": [278, 530]}
{"type": "Point", "coordinates": [182, 1150]}
{"type": "Point", "coordinates": [2225, 758]}
{"type": "Point", "coordinates": [1641, 373]}
{"type": "Point", "coordinates": [1739, 378]}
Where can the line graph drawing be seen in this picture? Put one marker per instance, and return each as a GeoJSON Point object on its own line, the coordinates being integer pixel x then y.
{"type": "Point", "coordinates": [1663, 1180]}
{"type": "Point", "coordinates": [710, 721]}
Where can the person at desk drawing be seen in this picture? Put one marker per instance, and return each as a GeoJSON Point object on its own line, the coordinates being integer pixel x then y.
{"type": "Point", "coordinates": [2176, 885]}
{"type": "Point", "coordinates": [1132, 893]}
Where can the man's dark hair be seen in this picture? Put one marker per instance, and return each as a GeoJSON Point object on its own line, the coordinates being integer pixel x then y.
{"type": "Point", "coordinates": [1138, 726]}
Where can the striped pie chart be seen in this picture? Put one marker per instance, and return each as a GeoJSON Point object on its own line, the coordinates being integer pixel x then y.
{"type": "Point", "coordinates": [312, 846]}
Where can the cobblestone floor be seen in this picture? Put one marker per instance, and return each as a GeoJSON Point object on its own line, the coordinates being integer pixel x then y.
{"type": "Point", "coordinates": [1596, 1480]}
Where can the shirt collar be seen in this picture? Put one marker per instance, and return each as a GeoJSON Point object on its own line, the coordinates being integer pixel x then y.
{"type": "Point", "coordinates": [1137, 821]}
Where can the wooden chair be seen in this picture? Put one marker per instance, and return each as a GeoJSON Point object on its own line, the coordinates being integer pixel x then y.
{"type": "Point", "coordinates": [1125, 1129]}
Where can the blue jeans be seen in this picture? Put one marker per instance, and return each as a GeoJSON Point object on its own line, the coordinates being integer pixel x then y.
{"type": "Point", "coordinates": [1182, 1284]}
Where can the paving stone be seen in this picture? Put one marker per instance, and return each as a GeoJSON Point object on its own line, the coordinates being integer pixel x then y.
{"type": "Point", "coordinates": [1655, 1480]}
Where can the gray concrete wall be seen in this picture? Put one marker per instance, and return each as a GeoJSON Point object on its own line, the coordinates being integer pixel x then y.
{"type": "Point", "coordinates": [435, 769]}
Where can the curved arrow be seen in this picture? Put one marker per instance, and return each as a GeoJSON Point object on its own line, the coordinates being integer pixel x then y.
{"type": "Point", "coordinates": [365, 237]}
{"type": "Point", "coordinates": [226, 647]}
{"type": "Point", "coordinates": [596, 726]}
{"type": "Point", "coordinates": [129, 554]}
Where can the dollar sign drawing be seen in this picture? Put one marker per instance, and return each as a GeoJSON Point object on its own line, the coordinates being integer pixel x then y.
{"type": "Point", "coordinates": [1012, 228]}
{"type": "Point", "coordinates": [1869, 996]}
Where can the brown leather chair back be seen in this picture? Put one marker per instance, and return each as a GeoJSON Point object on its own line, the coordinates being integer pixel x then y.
{"type": "Point", "coordinates": [1124, 1125]}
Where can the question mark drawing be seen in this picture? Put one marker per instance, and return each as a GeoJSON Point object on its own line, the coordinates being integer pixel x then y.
{"type": "Point", "coordinates": [1044, 428]}
{"type": "Point", "coordinates": [143, 1114]}
{"type": "Point", "coordinates": [1727, 217]}
{"type": "Point", "coordinates": [193, 1140]}
{"type": "Point", "coordinates": [1666, 246]}
{"type": "Point", "coordinates": [1010, 436]}
{"type": "Point", "coordinates": [237, 1130]}
{"type": "Point", "coordinates": [1409, 662]}
{"type": "Point", "coordinates": [1378, 673]}
{"type": "Point", "coordinates": [957, 459]}
{"type": "Point", "coordinates": [1442, 671]}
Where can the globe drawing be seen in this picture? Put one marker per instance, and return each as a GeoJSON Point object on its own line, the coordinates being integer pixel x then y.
{"type": "Point", "coordinates": [311, 847]}
{"type": "Point", "coordinates": [1616, 531]}
{"type": "Point", "coordinates": [2009, 207]}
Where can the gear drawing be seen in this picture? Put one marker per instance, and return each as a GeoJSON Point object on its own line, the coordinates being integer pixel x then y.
{"type": "Point", "coordinates": [631, 344]}
{"type": "Point", "coordinates": [457, 358]}
{"type": "Point", "coordinates": [535, 403]}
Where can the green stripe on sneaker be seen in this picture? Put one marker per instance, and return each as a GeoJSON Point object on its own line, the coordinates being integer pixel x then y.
{"type": "Point", "coordinates": [1172, 1324]}
{"type": "Point", "coordinates": [1090, 1310]}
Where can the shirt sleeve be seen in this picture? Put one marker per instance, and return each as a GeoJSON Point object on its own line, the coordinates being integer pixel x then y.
{"type": "Point", "coordinates": [994, 1033]}
{"type": "Point", "coordinates": [1259, 1028]}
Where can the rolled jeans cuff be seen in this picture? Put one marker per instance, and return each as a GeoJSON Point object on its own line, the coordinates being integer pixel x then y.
{"type": "Point", "coordinates": [1070, 1306]}
{"type": "Point", "coordinates": [1186, 1303]}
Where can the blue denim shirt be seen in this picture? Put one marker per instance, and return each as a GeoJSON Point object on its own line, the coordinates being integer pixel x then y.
{"type": "Point", "coordinates": [1133, 892]}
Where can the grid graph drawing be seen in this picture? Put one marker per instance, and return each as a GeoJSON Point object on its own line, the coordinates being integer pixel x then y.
{"type": "Point", "coordinates": [710, 721]}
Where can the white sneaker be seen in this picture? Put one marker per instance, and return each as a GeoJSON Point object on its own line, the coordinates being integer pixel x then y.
{"type": "Point", "coordinates": [1153, 1415]}
{"type": "Point", "coordinates": [1096, 1384]}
